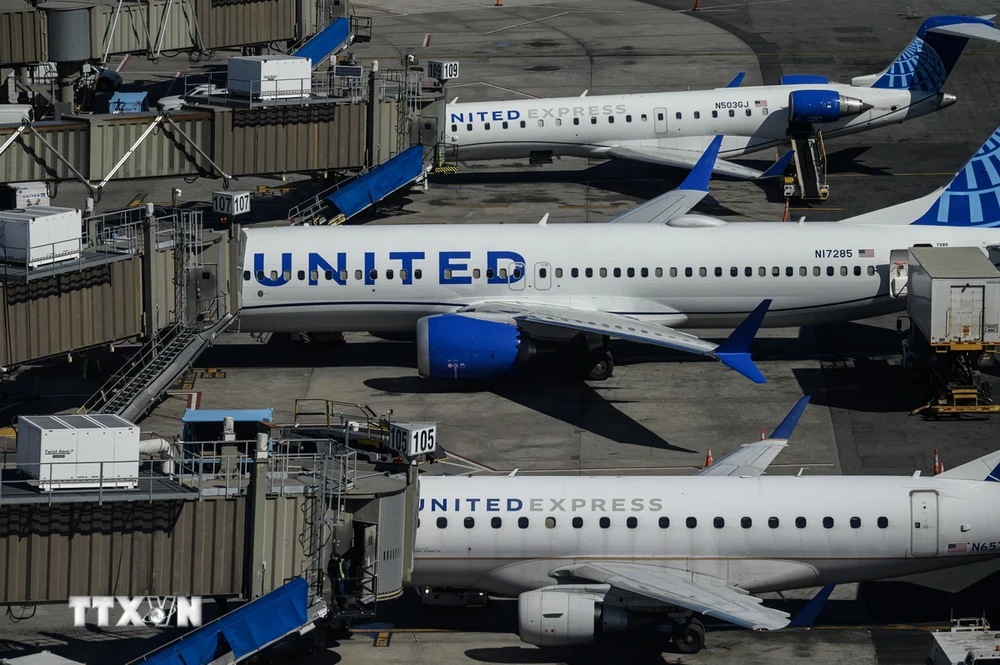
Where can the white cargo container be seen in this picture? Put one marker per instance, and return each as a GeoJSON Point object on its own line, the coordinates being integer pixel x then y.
{"type": "Point", "coordinates": [266, 77]}
{"type": "Point", "coordinates": [17, 195]}
{"type": "Point", "coordinates": [953, 296]}
{"type": "Point", "coordinates": [78, 452]}
{"type": "Point", "coordinates": [39, 235]}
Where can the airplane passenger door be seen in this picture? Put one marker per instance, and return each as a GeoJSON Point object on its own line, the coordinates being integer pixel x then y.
{"type": "Point", "coordinates": [543, 276]}
{"type": "Point", "coordinates": [660, 120]}
{"type": "Point", "coordinates": [924, 524]}
{"type": "Point", "coordinates": [516, 277]}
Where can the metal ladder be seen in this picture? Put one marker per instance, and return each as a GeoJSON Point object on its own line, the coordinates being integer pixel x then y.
{"type": "Point", "coordinates": [810, 166]}
{"type": "Point", "coordinates": [141, 370]}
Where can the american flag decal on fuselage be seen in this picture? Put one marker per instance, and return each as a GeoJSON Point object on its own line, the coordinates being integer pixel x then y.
{"type": "Point", "coordinates": [866, 253]}
{"type": "Point", "coordinates": [760, 102]}
{"type": "Point", "coordinates": [954, 548]}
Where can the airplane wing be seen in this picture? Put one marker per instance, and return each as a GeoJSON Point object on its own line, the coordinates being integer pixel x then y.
{"type": "Point", "coordinates": [686, 159]}
{"type": "Point", "coordinates": [751, 459]}
{"type": "Point", "coordinates": [680, 200]}
{"type": "Point", "coordinates": [682, 159]}
{"type": "Point", "coordinates": [697, 592]}
{"type": "Point", "coordinates": [734, 352]}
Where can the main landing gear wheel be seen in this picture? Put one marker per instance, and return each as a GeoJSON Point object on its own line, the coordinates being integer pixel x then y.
{"type": "Point", "coordinates": [600, 366]}
{"type": "Point", "coordinates": [689, 637]}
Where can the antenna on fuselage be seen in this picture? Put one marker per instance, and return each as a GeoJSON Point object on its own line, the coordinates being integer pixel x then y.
{"type": "Point", "coordinates": [454, 100]}
{"type": "Point", "coordinates": [585, 92]}
{"type": "Point", "coordinates": [801, 471]}
{"type": "Point", "coordinates": [513, 473]}
{"type": "Point", "coordinates": [802, 219]}
{"type": "Point", "coordinates": [544, 219]}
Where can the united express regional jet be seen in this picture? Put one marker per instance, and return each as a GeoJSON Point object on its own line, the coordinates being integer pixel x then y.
{"type": "Point", "coordinates": [588, 557]}
{"type": "Point", "coordinates": [488, 299]}
{"type": "Point", "coordinates": [673, 128]}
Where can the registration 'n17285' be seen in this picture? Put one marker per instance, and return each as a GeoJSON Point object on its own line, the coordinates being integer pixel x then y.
{"type": "Point", "coordinates": [834, 253]}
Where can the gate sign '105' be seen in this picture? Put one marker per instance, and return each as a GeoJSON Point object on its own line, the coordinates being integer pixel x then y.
{"type": "Point", "coordinates": [413, 439]}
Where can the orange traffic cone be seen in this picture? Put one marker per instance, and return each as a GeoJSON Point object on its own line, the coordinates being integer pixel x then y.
{"type": "Point", "coordinates": [697, 5]}
{"type": "Point", "coordinates": [499, 3]}
{"type": "Point", "coordinates": [762, 435]}
{"type": "Point", "coordinates": [937, 463]}
{"type": "Point", "coordinates": [784, 217]}
{"type": "Point", "coordinates": [708, 458]}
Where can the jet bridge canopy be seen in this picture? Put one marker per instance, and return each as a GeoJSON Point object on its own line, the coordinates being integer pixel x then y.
{"type": "Point", "coordinates": [326, 42]}
{"type": "Point", "coordinates": [245, 631]}
{"type": "Point", "coordinates": [380, 182]}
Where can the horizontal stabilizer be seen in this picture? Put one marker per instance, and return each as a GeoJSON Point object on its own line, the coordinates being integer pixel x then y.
{"type": "Point", "coordinates": [979, 31]}
{"type": "Point", "coordinates": [985, 468]}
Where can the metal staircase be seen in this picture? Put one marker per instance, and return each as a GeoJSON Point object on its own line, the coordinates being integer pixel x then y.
{"type": "Point", "coordinates": [133, 390]}
{"type": "Point", "coordinates": [810, 167]}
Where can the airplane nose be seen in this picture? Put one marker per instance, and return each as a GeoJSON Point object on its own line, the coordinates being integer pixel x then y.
{"type": "Point", "coordinates": [947, 99]}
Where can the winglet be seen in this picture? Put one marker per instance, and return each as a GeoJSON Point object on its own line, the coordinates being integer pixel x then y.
{"type": "Point", "coordinates": [698, 179]}
{"type": "Point", "coordinates": [735, 351]}
{"type": "Point", "coordinates": [778, 168]}
{"type": "Point", "coordinates": [735, 83]}
{"type": "Point", "coordinates": [784, 430]}
{"type": "Point", "coordinates": [807, 615]}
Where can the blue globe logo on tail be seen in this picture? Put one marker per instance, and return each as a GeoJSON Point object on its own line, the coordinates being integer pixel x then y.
{"type": "Point", "coordinates": [918, 67]}
{"type": "Point", "coordinates": [973, 196]}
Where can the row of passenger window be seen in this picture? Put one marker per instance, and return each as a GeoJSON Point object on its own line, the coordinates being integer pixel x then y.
{"type": "Point", "coordinates": [663, 522]}
{"type": "Point", "coordinates": [734, 271]}
{"type": "Point", "coordinates": [611, 119]}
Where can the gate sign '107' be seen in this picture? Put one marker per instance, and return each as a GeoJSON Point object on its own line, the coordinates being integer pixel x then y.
{"type": "Point", "coordinates": [413, 439]}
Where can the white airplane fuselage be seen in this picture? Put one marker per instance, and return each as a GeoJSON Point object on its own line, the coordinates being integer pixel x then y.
{"type": "Point", "coordinates": [761, 534]}
{"type": "Point", "coordinates": [751, 119]}
{"type": "Point", "coordinates": [385, 278]}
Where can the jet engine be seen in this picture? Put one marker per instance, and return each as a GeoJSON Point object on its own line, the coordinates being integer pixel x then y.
{"type": "Point", "coordinates": [559, 617]}
{"type": "Point", "coordinates": [809, 106]}
{"type": "Point", "coordinates": [453, 346]}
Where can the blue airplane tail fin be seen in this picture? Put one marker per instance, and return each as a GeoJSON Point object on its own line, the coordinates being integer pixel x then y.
{"type": "Point", "coordinates": [927, 61]}
{"type": "Point", "coordinates": [735, 351]}
{"type": "Point", "coordinates": [807, 615]}
{"type": "Point", "coordinates": [972, 198]}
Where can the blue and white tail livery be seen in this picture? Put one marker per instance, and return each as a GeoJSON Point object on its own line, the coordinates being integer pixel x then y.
{"type": "Point", "coordinates": [972, 198]}
{"type": "Point", "coordinates": [924, 65]}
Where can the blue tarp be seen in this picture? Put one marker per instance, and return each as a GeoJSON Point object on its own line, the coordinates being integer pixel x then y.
{"type": "Point", "coordinates": [246, 629]}
{"type": "Point", "coordinates": [379, 183]}
{"type": "Point", "coordinates": [325, 42]}
{"type": "Point", "coordinates": [216, 415]}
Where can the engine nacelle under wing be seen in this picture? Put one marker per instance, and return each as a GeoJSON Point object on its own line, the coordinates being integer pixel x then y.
{"type": "Point", "coordinates": [553, 617]}
{"type": "Point", "coordinates": [452, 346]}
{"type": "Point", "coordinates": [811, 106]}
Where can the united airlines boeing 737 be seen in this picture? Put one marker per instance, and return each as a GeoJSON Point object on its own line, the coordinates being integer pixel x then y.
{"type": "Point", "coordinates": [673, 128]}
{"type": "Point", "coordinates": [589, 557]}
{"type": "Point", "coordinates": [485, 300]}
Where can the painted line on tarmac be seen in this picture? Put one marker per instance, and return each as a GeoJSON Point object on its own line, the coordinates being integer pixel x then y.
{"type": "Point", "coordinates": [518, 25]}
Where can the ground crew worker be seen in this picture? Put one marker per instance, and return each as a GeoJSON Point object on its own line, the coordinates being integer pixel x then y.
{"type": "Point", "coordinates": [335, 571]}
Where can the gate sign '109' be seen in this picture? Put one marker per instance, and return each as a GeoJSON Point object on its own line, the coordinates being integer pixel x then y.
{"type": "Point", "coordinates": [412, 439]}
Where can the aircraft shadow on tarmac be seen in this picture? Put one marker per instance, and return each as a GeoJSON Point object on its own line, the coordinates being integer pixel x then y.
{"type": "Point", "coordinates": [573, 402]}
